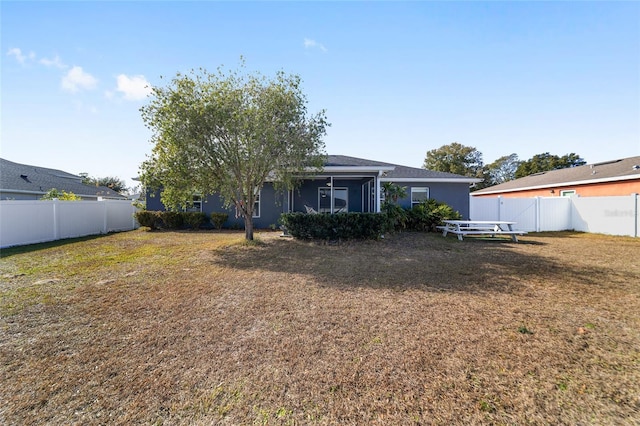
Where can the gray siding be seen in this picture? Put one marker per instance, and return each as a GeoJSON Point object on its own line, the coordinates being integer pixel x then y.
{"type": "Point", "coordinates": [271, 207]}
{"type": "Point", "coordinates": [274, 203]}
{"type": "Point", "coordinates": [454, 194]}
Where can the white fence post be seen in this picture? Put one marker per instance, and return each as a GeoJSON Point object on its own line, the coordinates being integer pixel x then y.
{"type": "Point", "coordinates": [637, 214]}
{"type": "Point", "coordinates": [56, 219]}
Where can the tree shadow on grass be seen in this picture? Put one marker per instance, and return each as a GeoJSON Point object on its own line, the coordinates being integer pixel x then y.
{"type": "Point", "coordinates": [30, 248]}
{"type": "Point", "coordinates": [415, 261]}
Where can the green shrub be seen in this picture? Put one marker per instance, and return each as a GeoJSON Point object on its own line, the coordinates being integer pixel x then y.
{"type": "Point", "coordinates": [150, 219]}
{"type": "Point", "coordinates": [194, 219]}
{"type": "Point", "coordinates": [60, 195]}
{"type": "Point", "coordinates": [218, 219]}
{"type": "Point", "coordinates": [172, 220]}
{"type": "Point", "coordinates": [396, 216]}
{"type": "Point", "coordinates": [341, 226]}
{"type": "Point", "coordinates": [429, 214]}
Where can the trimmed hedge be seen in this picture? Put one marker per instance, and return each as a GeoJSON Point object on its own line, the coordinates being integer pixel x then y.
{"type": "Point", "coordinates": [341, 226]}
{"type": "Point", "coordinates": [150, 219]}
{"type": "Point", "coordinates": [218, 219]}
{"type": "Point", "coordinates": [172, 220]}
{"type": "Point", "coordinates": [423, 217]}
{"type": "Point", "coordinates": [194, 219]}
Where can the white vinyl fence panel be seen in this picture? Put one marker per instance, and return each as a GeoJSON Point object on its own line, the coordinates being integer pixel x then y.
{"type": "Point", "coordinates": [484, 208]}
{"type": "Point", "coordinates": [36, 221]}
{"type": "Point", "coordinates": [605, 215]}
{"type": "Point", "coordinates": [554, 214]}
{"type": "Point", "coordinates": [618, 216]}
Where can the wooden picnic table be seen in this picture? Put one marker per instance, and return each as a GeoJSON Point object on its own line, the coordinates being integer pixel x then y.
{"type": "Point", "coordinates": [480, 227]}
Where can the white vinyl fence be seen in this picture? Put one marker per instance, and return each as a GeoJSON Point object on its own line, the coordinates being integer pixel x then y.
{"type": "Point", "coordinates": [604, 215]}
{"type": "Point", "coordinates": [37, 221]}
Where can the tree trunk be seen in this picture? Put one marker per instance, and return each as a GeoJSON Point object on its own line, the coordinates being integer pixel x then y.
{"type": "Point", "coordinates": [248, 228]}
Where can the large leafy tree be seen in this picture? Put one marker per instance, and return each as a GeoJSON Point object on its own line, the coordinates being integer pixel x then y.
{"type": "Point", "coordinates": [227, 133]}
{"type": "Point", "coordinates": [115, 183]}
{"type": "Point", "coordinates": [545, 162]}
{"type": "Point", "coordinates": [502, 170]}
{"type": "Point", "coordinates": [455, 158]}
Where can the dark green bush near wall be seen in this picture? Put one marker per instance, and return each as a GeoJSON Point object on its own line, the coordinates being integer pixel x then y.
{"type": "Point", "coordinates": [341, 226]}
{"type": "Point", "coordinates": [150, 219]}
{"type": "Point", "coordinates": [430, 213]}
{"type": "Point", "coordinates": [171, 220]}
{"type": "Point", "coordinates": [218, 219]}
{"type": "Point", "coordinates": [194, 219]}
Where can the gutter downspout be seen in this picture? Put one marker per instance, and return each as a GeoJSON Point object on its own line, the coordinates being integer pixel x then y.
{"type": "Point", "coordinates": [378, 191]}
{"type": "Point", "coordinates": [332, 200]}
{"type": "Point", "coordinates": [637, 215]}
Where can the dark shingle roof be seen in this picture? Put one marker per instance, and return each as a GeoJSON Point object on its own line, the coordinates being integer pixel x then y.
{"type": "Point", "coordinates": [398, 172]}
{"type": "Point", "coordinates": [626, 168]}
{"type": "Point", "coordinates": [16, 177]}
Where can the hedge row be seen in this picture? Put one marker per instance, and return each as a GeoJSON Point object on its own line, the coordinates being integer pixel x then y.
{"type": "Point", "coordinates": [335, 227]}
{"type": "Point", "coordinates": [176, 220]}
{"type": "Point", "coordinates": [423, 217]}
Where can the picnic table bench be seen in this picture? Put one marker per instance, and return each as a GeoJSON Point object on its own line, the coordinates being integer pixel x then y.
{"type": "Point", "coordinates": [480, 227]}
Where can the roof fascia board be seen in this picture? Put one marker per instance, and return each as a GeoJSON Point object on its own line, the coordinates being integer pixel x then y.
{"type": "Point", "coordinates": [22, 191]}
{"type": "Point", "coordinates": [560, 184]}
{"type": "Point", "coordinates": [357, 168]}
{"type": "Point", "coordinates": [432, 180]}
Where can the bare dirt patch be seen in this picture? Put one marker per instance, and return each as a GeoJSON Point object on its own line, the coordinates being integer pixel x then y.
{"type": "Point", "coordinates": [200, 328]}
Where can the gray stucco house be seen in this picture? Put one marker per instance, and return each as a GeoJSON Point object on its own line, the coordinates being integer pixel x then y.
{"type": "Point", "coordinates": [346, 184]}
{"type": "Point", "coordinates": [26, 182]}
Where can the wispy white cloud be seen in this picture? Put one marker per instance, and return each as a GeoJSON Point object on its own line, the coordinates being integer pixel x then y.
{"type": "Point", "coordinates": [77, 79]}
{"type": "Point", "coordinates": [56, 62]}
{"type": "Point", "coordinates": [312, 44]}
{"type": "Point", "coordinates": [134, 88]}
{"type": "Point", "coordinates": [20, 57]}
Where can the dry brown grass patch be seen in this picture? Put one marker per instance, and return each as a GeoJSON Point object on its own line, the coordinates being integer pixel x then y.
{"type": "Point", "coordinates": [200, 328]}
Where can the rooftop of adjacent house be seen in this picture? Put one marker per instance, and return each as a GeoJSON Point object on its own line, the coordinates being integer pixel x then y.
{"type": "Point", "coordinates": [393, 171]}
{"type": "Point", "coordinates": [24, 178]}
{"type": "Point", "coordinates": [607, 171]}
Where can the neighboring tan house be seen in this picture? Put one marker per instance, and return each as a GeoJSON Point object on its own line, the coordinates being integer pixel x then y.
{"type": "Point", "coordinates": [617, 177]}
{"type": "Point", "coordinates": [346, 184]}
{"type": "Point", "coordinates": [25, 182]}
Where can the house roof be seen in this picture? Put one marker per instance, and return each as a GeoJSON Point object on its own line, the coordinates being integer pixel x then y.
{"type": "Point", "coordinates": [26, 179]}
{"type": "Point", "coordinates": [392, 172]}
{"type": "Point", "coordinates": [608, 171]}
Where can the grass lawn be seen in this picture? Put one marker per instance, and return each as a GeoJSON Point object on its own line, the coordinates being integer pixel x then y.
{"type": "Point", "coordinates": [201, 328]}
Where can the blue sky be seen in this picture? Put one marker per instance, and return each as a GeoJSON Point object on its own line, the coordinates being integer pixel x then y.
{"type": "Point", "coordinates": [396, 78]}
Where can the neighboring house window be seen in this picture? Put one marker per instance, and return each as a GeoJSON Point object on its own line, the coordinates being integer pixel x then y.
{"type": "Point", "coordinates": [340, 200]}
{"type": "Point", "coordinates": [419, 195]}
{"type": "Point", "coordinates": [196, 204]}
{"type": "Point", "coordinates": [567, 193]}
{"type": "Point", "coordinates": [256, 206]}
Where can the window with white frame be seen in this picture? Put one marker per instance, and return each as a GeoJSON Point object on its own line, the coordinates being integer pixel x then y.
{"type": "Point", "coordinates": [567, 193]}
{"type": "Point", "coordinates": [195, 205]}
{"type": "Point", "coordinates": [256, 205]}
{"type": "Point", "coordinates": [418, 195]}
